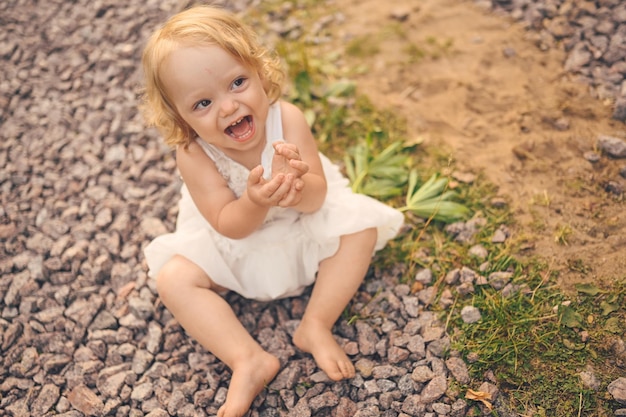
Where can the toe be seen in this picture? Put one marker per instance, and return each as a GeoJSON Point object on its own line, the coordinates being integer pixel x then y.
{"type": "Point", "coordinates": [347, 370]}
{"type": "Point", "coordinates": [335, 375]}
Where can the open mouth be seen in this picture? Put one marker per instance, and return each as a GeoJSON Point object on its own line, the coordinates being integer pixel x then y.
{"type": "Point", "coordinates": [242, 129]}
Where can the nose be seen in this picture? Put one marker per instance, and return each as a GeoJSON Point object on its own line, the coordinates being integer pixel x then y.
{"type": "Point", "coordinates": [228, 106]}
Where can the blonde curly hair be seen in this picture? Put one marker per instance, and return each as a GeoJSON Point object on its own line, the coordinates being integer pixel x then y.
{"type": "Point", "coordinates": [201, 25]}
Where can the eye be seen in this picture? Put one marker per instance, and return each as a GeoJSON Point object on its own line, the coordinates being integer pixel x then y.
{"type": "Point", "coordinates": [202, 104]}
{"type": "Point", "coordinates": [239, 82]}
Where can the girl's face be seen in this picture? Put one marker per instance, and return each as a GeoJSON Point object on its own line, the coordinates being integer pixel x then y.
{"type": "Point", "coordinates": [221, 99]}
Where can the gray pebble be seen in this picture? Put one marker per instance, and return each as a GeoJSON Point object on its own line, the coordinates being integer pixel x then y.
{"type": "Point", "coordinates": [470, 314]}
{"type": "Point", "coordinates": [612, 146]}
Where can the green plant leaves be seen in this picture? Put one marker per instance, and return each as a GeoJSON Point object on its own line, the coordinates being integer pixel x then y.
{"type": "Point", "coordinates": [608, 307]}
{"type": "Point", "coordinates": [572, 345]}
{"type": "Point", "coordinates": [387, 173]}
{"type": "Point", "coordinates": [588, 288]}
{"type": "Point", "coordinates": [383, 175]}
{"type": "Point", "coordinates": [432, 199]}
{"type": "Point", "coordinates": [612, 325]}
{"type": "Point", "coordinates": [569, 317]}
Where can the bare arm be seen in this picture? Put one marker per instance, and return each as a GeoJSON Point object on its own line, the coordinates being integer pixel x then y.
{"type": "Point", "coordinates": [230, 216]}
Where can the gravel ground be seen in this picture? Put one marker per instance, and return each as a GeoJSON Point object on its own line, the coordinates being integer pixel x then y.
{"type": "Point", "coordinates": [85, 187]}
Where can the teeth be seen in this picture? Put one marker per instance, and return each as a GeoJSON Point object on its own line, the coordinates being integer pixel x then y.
{"type": "Point", "coordinates": [237, 122]}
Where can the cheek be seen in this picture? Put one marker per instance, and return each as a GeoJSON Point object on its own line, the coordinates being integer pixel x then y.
{"type": "Point", "coordinates": [266, 85]}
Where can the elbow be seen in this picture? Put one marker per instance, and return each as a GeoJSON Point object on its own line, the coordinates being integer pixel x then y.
{"type": "Point", "coordinates": [235, 233]}
{"type": "Point", "coordinates": [237, 236]}
{"type": "Point", "coordinates": [322, 195]}
{"type": "Point", "coordinates": [227, 229]}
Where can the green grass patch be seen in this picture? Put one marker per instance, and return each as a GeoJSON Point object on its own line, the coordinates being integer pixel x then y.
{"type": "Point", "coordinates": [537, 342]}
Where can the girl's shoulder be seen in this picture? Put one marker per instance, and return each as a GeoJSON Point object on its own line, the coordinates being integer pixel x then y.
{"type": "Point", "coordinates": [191, 150]}
{"type": "Point", "coordinates": [197, 169]}
{"type": "Point", "coordinates": [289, 110]}
{"type": "Point", "coordinates": [192, 155]}
{"type": "Point", "coordinates": [293, 120]}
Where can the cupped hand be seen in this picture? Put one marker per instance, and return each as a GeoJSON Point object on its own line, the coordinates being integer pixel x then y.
{"type": "Point", "coordinates": [294, 195]}
{"type": "Point", "coordinates": [287, 161]}
{"type": "Point", "coordinates": [271, 192]}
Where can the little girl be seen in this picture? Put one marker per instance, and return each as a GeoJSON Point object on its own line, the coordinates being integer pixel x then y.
{"type": "Point", "coordinates": [262, 212]}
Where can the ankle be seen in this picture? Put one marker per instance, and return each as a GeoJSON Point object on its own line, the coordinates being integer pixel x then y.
{"type": "Point", "coordinates": [315, 323]}
{"type": "Point", "coordinates": [250, 357]}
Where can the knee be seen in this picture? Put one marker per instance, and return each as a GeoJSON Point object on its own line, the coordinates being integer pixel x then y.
{"type": "Point", "coordinates": [171, 278]}
{"type": "Point", "coordinates": [164, 279]}
{"type": "Point", "coordinates": [178, 276]}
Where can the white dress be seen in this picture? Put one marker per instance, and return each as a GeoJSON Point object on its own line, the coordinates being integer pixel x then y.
{"type": "Point", "coordinates": [282, 257]}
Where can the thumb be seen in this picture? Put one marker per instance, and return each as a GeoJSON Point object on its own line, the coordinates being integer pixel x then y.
{"type": "Point", "coordinates": [255, 175]}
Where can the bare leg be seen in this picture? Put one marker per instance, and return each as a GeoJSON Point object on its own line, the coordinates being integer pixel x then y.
{"type": "Point", "coordinates": [190, 296]}
{"type": "Point", "coordinates": [337, 280]}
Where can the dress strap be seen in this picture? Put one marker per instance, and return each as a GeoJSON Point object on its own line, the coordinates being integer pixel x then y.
{"type": "Point", "coordinates": [212, 152]}
{"type": "Point", "coordinates": [273, 133]}
{"type": "Point", "coordinates": [274, 125]}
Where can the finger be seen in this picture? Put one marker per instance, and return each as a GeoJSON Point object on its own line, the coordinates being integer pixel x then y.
{"type": "Point", "coordinates": [301, 166]}
{"type": "Point", "coordinates": [288, 150]}
{"type": "Point", "coordinates": [255, 175]}
{"type": "Point", "coordinates": [285, 194]}
{"type": "Point", "coordinates": [287, 201]}
{"type": "Point", "coordinates": [292, 198]}
{"type": "Point", "coordinates": [283, 189]}
{"type": "Point", "coordinates": [298, 184]}
{"type": "Point", "coordinates": [279, 146]}
{"type": "Point", "coordinates": [270, 187]}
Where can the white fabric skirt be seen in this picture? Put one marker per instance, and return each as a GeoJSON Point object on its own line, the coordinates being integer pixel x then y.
{"type": "Point", "coordinates": [282, 257]}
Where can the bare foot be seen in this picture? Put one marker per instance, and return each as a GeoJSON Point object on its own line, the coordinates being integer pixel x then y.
{"type": "Point", "coordinates": [317, 340]}
{"type": "Point", "coordinates": [249, 378]}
